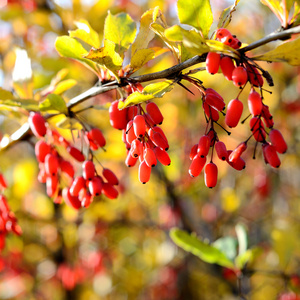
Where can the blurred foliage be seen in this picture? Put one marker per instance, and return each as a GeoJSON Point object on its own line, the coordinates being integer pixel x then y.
{"type": "Point", "coordinates": [121, 249]}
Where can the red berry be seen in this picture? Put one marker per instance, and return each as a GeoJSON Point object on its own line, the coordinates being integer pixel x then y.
{"type": "Point", "coordinates": [233, 113]}
{"type": "Point", "coordinates": [75, 153]}
{"type": "Point", "coordinates": [239, 76]}
{"type": "Point", "coordinates": [51, 185]}
{"type": "Point", "coordinates": [278, 141]}
{"type": "Point", "coordinates": [149, 157]}
{"type": "Point", "coordinates": [212, 62]}
{"type": "Point", "coordinates": [130, 160]}
{"type": "Point", "coordinates": [235, 43]}
{"type": "Point", "coordinates": [254, 103]}
{"type": "Point", "coordinates": [221, 33]}
{"type": "Point", "coordinates": [258, 129]}
{"type": "Point", "coordinates": [268, 118]}
{"type": "Point", "coordinates": [237, 152]}
{"type": "Point", "coordinates": [87, 199]}
{"type": "Point", "coordinates": [211, 175]}
{"type": "Point", "coordinates": [214, 99]}
{"type": "Point", "coordinates": [37, 124]}
{"type": "Point", "coordinates": [71, 200]}
{"type": "Point", "coordinates": [51, 164]}
{"type": "Point", "coordinates": [78, 184]}
{"type": "Point", "coordinates": [132, 112]}
{"type": "Point", "coordinates": [110, 176]}
{"type": "Point", "coordinates": [117, 118]}
{"type": "Point", "coordinates": [154, 112]}
{"type": "Point", "coordinates": [203, 146]}
{"type": "Point", "coordinates": [96, 136]}
{"type": "Point", "coordinates": [162, 156]}
{"type": "Point", "coordinates": [130, 135]}
{"type": "Point", "coordinates": [95, 186]}
{"type": "Point", "coordinates": [221, 150]}
{"type": "Point", "coordinates": [144, 172]}
{"type": "Point", "coordinates": [109, 190]}
{"type": "Point", "coordinates": [67, 168]}
{"type": "Point", "coordinates": [139, 125]}
{"type": "Point", "coordinates": [136, 148]}
{"type": "Point", "coordinates": [41, 150]}
{"type": "Point", "coordinates": [3, 183]}
{"type": "Point", "coordinates": [254, 76]}
{"type": "Point", "coordinates": [227, 67]}
{"type": "Point", "coordinates": [158, 139]}
{"type": "Point", "coordinates": [210, 112]}
{"type": "Point", "coordinates": [193, 151]}
{"type": "Point", "coordinates": [271, 155]}
{"type": "Point", "coordinates": [88, 170]}
{"type": "Point", "coordinates": [197, 165]}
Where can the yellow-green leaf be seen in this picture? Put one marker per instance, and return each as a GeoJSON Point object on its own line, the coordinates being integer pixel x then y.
{"type": "Point", "coordinates": [63, 86]}
{"type": "Point", "coordinates": [107, 57]}
{"type": "Point", "coordinates": [86, 33]}
{"type": "Point", "coordinates": [154, 90]}
{"type": "Point", "coordinates": [69, 123]}
{"type": "Point", "coordinates": [248, 256]}
{"type": "Point", "coordinates": [4, 94]}
{"type": "Point", "coordinates": [196, 13]}
{"type": "Point", "coordinates": [120, 29]}
{"type": "Point", "coordinates": [217, 46]}
{"type": "Point", "coordinates": [141, 57]}
{"type": "Point", "coordinates": [55, 103]}
{"type": "Point", "coordinates": [287, 52]}
{"type": "Point", "coordinates": [71, 48]}
{"type": "Point", "coordinates": [204, 251]}
{"type": "Point", "coordinates": [27, 104]}
{"type": "Point", "coordinates": [145, 34]}
{"type": "Point", "coordinates": [226, 15]}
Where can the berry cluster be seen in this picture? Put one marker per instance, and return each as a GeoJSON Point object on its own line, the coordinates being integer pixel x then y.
{"type": "Point", "coordinates": [8, 220]}
{"type": "Point", "coordinates": [144, 139]}
{"type": "Point", "coordinates": [55, 169]}
{"type": "Point", "coordinates": [240, 72]}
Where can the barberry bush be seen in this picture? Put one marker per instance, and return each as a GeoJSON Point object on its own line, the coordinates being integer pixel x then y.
{"type": "Point", "coordinates": [149, 150]}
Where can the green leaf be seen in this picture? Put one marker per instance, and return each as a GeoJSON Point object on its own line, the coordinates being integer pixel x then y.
{"type": "Point", "coordinates": [196, 13]}
{"type": "Point", "coordinates": [287, 52]}
{"type": "Point", "coordinates": [204, 251]}
{"type": "Point", "coordinates": [242, 238]}
{"type": "Point", "coordinates": [227, 245]}
{"type": "Point", "coordinates": [141, 57]}
{"type": "Point", "coordinates": [27, 104]}
{"type": "Point", "coordinates": [4, 94]}
{"type": "Point", "coordinates": [247, 257]}
{"type": "Point", "coordinates": [86, 33]}
{"type": "Point", "coordinates": [145, 34]}
{"type": "Point", "coordinates": [53, 102]}
{"type": "Point", "coordinates": [191, 39]}
{"type": "Point", "coordinates": [154, 90]}
{"type": "Point", "coordinates": [107, 57]}
{"type": "Point", "coordinates": [226, 15]}
{"type": "Point", "coordinates": [71, 48]}
{"type": "Point", "coordinates": [120, 29]}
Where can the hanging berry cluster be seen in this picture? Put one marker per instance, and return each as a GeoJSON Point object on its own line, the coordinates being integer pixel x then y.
{"type": "Point", "coordinates": [57, 170]}
{"type": "Point", "coordinates": [144, 139]}
{"type": "Point", "coordinates": [8, 220]}
{"type": "Point", "coordinates": [240, 72]}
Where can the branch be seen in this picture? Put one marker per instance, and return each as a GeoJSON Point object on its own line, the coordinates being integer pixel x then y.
{"type": "Point", "coordinates": [272, 37]}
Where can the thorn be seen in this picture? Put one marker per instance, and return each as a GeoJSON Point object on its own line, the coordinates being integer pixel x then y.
{"type": "Point", "coordinates": [185, 87]}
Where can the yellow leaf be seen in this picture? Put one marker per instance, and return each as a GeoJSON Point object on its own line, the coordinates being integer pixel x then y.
{"type": "Point", "coordinates": [64, 86]}
{"type": "Point", "coordinates": [287, 52]}
{"type": "Point", "coordinates": [141, 57]}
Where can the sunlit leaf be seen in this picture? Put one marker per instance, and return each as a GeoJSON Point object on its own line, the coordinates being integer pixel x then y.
{"type": "Point", "coordinates": [247, 257]}
{"type": "Point", "coordinates": [204, 251]}
{"type": "Point", "coordinates": [217, 46]}
{"type": "Point", "coordinates": [140, 58]}
{"type": "Point", "coordinates": [107, 57]}
{"type": "Point", "coordinates": [287, 52]}
{"type": "Point", "coordinates": [69, 123]}
{"type": "Point", "coordinates": [227, 245]}
{"type": "Point", "coordinates": [145, 34]}
{"type": "Point", "coordinates": [120, 29]}
{"type": "Point", "coordinates": [196, 13]}
{"type": "Point", "coordinates": [4, 94]}
{"type": "Point", "coordinates": [53, 102]}
{"type": "Point", "coordinates": [242, 238]}
{"type": "Point", "coordinates": [86, 33]}
{"type": "Point", "coordinates": [64, 85]}
{"type": "Point", "coordinates": [154, 90]}
{"type": "Point", "coordinates": [71, 48]}
{"type": "Point", "coordinates": [27, 104]}
{"type": "Point", "coordinates": [226, 15]}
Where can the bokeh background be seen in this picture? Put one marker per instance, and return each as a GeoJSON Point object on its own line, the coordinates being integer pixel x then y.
{"type": "Point", "coordinates": [121, 249]}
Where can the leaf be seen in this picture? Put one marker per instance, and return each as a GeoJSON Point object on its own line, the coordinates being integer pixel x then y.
{"type": "Point", "coordinates": [53, 102]}
{"type": "Point", "coordinates": [120, 29]}
{"type": "Point", "coordinates": [204, 251]}
{"type": "Point", "coordinates": [63, 86]}
{"type": "Point", "coordinates": [85, 33]}
{"type": "Point", "coordinates": [242, 238]}
{"type": "Point", "coordinates": [69, 123]}
{"type": "Point", "coordinates": [145, 34]}
{"type": "Point", "coordinates": [196, 13]}
{"type": "Point", "coordinates": [140, 58]}
{"type": "Point", "coordinates": [160, 31]}
{"type": "Point", "coordinates": [4, 94]}
{"type": "Point", "coordinates": [107, 57]}
{"type": "Point", "coordinates": [247, 257]}
{"type": "Point", "coordinates": [154, 90]}
{"type": "Point", "coordinates": [226, 15]}
{"type": "Point", "coordinates": [227, 245]}
{"type": "Point", "coordinates": [287, 52]}
{"type": "Point", "coordinates": [27, 104]}
{"type": "Point", "coordinates": [71, 48]}
{"type": "Point", "coordinates": [191, 39]}
{"type": "Point", "coordinates": [217, 46]}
